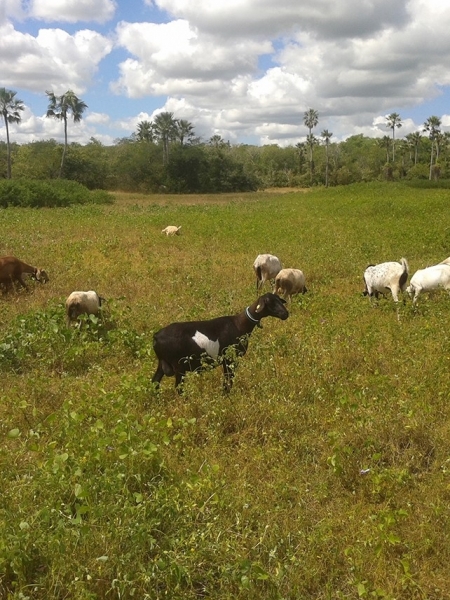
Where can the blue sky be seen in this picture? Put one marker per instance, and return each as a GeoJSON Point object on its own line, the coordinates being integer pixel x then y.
{"type": "Point", "coordinates": [243, 69]}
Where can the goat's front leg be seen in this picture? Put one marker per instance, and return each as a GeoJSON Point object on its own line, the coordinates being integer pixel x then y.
{"type": "Point", "coordinates": [229, 368]}
{"type": "Point", "coordinates": [179, 379]}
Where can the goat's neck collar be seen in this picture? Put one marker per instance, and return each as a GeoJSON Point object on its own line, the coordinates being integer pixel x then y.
{"type": "Point", "coordinates": [252, 319]}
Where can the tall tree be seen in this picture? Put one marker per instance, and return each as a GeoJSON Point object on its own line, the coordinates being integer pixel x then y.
{"type": "Point", "coordinates": [385, 142]}
{"type": "Point", "coordinates": [432, 127]}
{"type": "Point", "coordinates": [301, 151]}
{"type": "Point", "coordinates": [393, 121]}
{"type": "Point", "coordinates": [185, 131]}
{"type": "Point", "coordinates": [414, 140]}
{"type": "Point", "coordinates": [145, 132]}
{"type": "Point", "coordinates": [311, 120]}
{"type": "Point", "coordinates": [10, 108]}
{"type": "Point", "coordinates": [165, 127]}
{"type": "Point", "coordinates": [326, 135]}
{"type": "Point", "coordinates": [59, 108]}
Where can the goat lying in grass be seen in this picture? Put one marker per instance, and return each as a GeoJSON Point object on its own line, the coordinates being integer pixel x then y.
{"type": "Point", "coordinates": [388, 276]}
{"type": "Point", "coordinates": [266, 267]}
{"type": "Point", "coordinates": [185, 347]}
{"type": "Point", "coordinates": [12, 270]}
{"type": "Point", "coordinates": [431, 278]}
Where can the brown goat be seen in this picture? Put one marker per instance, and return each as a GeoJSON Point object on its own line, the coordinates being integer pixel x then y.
{"type": "Point", "coordinates": [12, 271]}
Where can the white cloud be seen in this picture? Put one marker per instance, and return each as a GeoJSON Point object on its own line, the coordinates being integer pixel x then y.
{"type": "Point", "coordinates": [174, 58]}
{"type": "Point", "coordinates": [265, 17]}
{"type": "Point", "coordinates": [97, 118]}
{"type": "Point", "coordinates": [240, 68]}
{"type": "Point", "coordinates": [11, 9]}
{"type": "Point", "coordinates": [72, 11]}
{"type": "Point", "coordinates": [51, 60]}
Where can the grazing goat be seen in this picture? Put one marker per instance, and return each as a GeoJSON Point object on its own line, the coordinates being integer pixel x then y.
{"type": "Point", "coordinates": [266, 267]}
{"type": "Point", "coordinates": [379, 279]}
{"type": "Point", "coordinates": [289, 282]}
{"type": "Point", "coordinates": [12, 271]}
{"type": "Point", "coordinates": [82, 303]}
{"type": "Point", "coordinates": [171, 230]}
{"type": "Point", "coordinates": [188, 346]}
{"type": "Point", "coordinates": [431, 278]}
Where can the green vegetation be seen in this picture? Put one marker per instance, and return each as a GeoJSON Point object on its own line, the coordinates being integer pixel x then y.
{"type": "Point", "coordinates": [51, 193]}
{"type": "Point", "coordinates": [165, 156]}
{"type": "Point", "coordinates": [323, 475]}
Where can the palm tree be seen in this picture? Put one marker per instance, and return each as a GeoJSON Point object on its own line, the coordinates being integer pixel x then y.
{"type": "Point", "coordinates": [185, 131]}
{"type": "Point", "coordinates": [311, 120]}
{"type": "Point", "coordinates": [144, 132]}
{"type": "Point", "coordinates": [432, 125]}
{"type": "Point", "coordinates": [385, 142]}
{"type": "Point", "coordinates": [10, 108]}
{"type": "Point", "coordinates": [59, 107]}
{"type": "Point", "coordinates": [165, 127]}
{"type": "Point", "coordinates": [326, 135]}
{"type": "Point", "coordinates": [414, 140]}
{"type": "Point", "coordinates": [301, 155]}
{"type": "Point", "coordinates": [217, 141]}
{"type": "Point", "coordinates": [393, 121]}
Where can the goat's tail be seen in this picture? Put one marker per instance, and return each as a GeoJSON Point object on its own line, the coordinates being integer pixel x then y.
{"type": "Point", "coordinates": [258, 277]}
{"type": "Point", "coordinates": [404, 276]}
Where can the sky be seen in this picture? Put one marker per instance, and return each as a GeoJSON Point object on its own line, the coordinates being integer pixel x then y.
{"type": "Point", "coordinates": [246, 70]}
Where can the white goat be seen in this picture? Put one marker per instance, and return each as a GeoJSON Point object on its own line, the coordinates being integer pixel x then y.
{"type": "Point", "coordinates": [431, 278]}
{"type": "Point", "coordinates": [289, 282]}
{"type": "Point", "coordinates": [266, 267]}
{"type": "Point", "coordinates": [171, 230]}
{"type": "Point", "coordinates": [388, 276]}
{"type": "Point", "coordinates": [82, 303]}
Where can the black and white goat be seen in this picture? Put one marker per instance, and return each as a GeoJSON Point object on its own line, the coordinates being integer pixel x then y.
{"type": "Point", "coordinates": [388, 276]}
{"type": "Point", "coordinates": [189, 346]}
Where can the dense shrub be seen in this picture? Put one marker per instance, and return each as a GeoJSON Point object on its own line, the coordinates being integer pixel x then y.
{"type": "Point", "coordinates": [58, 192]}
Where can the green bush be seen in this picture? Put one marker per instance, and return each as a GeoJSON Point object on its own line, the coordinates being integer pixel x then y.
{"type": "Point", "coordinates": [58, 192]}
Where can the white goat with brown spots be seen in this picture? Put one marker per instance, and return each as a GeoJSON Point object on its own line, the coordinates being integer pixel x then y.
{"type": "Point", "coordinates": [386, 277]}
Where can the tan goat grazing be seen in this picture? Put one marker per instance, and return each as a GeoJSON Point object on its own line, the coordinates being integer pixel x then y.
{"type": "Point", "coordinates": [289, 282]}
{"type": "Point", "coordinates": [12, 270]}
{"type": "Point", "coordinates": [171, 230]}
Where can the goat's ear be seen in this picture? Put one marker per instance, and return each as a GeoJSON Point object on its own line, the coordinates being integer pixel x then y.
{"type": "Point", "coordinates": [260, 306]}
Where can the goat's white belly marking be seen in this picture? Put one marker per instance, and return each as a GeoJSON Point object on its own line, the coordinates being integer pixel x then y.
{"type": "Point", "coordinates": [211, 347]}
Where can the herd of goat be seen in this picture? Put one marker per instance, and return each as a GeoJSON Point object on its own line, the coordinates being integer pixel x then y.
{"type": "Point", "coordinates": [191, 345]}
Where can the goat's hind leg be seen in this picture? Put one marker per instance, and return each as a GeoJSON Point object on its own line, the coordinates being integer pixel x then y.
{"type": "Point", "coordinates": [159, 374]}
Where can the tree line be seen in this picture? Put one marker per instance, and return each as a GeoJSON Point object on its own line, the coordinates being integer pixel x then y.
{"type": "Point", "coordinates": [165, 155]}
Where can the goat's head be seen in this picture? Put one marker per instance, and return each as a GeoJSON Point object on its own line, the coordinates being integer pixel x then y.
{"type": "Point", "coordinates": [271, 305]}
{"type": "Point", "coordinates": [41, 276]}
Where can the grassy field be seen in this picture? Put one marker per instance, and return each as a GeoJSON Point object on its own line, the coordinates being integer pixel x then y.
{"type": "Point", "coordinates": [324, 474]}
